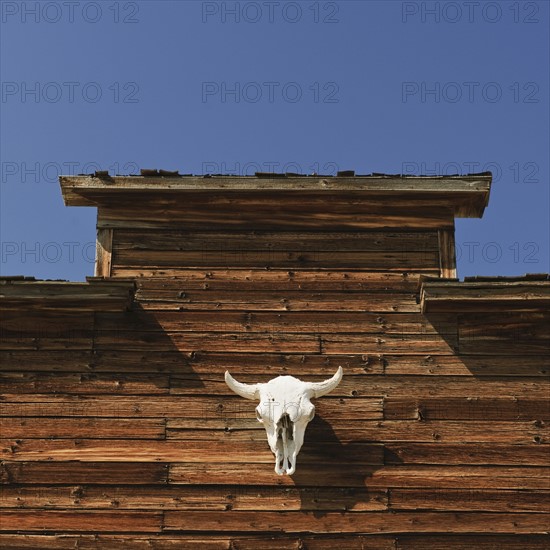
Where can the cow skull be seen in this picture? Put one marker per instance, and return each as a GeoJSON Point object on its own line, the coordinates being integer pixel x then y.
{"type": "Point", "coordinates": [285, 410]}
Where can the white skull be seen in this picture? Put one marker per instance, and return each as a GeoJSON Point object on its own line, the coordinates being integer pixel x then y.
{"type": "Point", "coordinates": [285, 410]}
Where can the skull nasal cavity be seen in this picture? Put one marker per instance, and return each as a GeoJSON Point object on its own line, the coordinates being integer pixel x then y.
{"type": "Point", "coordinates": [285, 424]}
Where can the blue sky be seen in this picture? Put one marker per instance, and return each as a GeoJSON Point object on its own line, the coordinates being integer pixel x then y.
{"type": "Point", "coordinates": [374, 86]}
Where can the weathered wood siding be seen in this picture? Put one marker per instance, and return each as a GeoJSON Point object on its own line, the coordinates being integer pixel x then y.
{"type": "Point", "coordinates": [119, 423]}
{"type": "Point", "coordinates": [372, 250]}
{"type": "Point", "coordinates": [118, 430]}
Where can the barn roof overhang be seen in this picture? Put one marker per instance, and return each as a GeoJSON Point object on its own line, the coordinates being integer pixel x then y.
{"type": "Point", "coordinates": [96, 294]}
{"type": "Point", "coordinates": [485, 294]}
{"type": "Point", "coordinates": [464, 196]}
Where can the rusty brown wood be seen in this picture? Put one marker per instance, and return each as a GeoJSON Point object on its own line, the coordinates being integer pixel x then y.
{"type": "Point", "coordinates": [368, 522]}
{"type": "Point", "coordinates": [447, 253]}
{"type": "Point", "coordinates": [104, 252]}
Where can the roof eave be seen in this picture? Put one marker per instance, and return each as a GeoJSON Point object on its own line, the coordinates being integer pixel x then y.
{"type": "Point", "coordinates": [467, 195]}
{"type": "Point", "coordinates": [498, 295]}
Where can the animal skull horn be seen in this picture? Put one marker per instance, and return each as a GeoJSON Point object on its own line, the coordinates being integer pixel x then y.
{"type": "Point", "coordinates": [322, 388]}
{"type": "Point", "coordinates": [285, 410]}
{"type": "Point", "coordinates": [248, 391]}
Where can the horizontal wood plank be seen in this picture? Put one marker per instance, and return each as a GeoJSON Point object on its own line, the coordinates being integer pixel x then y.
{"type": "Point", "coordinates": [106, 428]}
{"type": "Point", "coordinates": [307, 213]}
{"type": "Point", "coordinates": [469, 500]}
{"type": "Point", "coordinates": [93, 520]}
{"type": "Point", "coordinates": [467, 365]}
{"type": "Point", "coordinates": [464, 408]}
{"type": "Point", "coordinates": [46, 330]}
{"type": "Point", "coordinates": [425, 260]}
{"type": "Point", "coordinates": [189, 497]}
{"type": "Point", "coordinates": [79, 471]}
{"type": "Point", "coordinates": [369, 522]}
{"type": "Point", "coordinates": [207, 341]}
{"type": "Point", "coordinates": [56, 360]}
{"type": "Point", "coordinates": [73, 342]}
{"type": "Point", "coordinates": [275, 301]}
{"type": "Point", "coordinates": [273, 364]}
{"type": "Point", "coordinates": [140, 240]}
{"type": "Point", "coordinates": [519, 334]}
{"type": "Point", "coordinates": [412, 452]}
{"type": "Point", "coordinates": [55, 296]}
{"type": "Point", "coordinates": [200, 408]}
{"type": "Point", "coordinates": [369, 385]}
{"type": "Point", "coordinates": [485, 296]}
{"type": "Point", "coordinates": [333, 280]}
{"type": "Point", "coordinates": [278, 542]}
{"type": "Point", "coordinates": [388, 343]}
{"type": "Point", "coordinates": [118, 325]}
{"type": "Point", "coordinates": [407, 476]}
{"type": "Point", "coordinates": [250, 451]}
{"type": "Point", "coordinates": [108, 383]}
{"type": "Point", "coordinates": [276, 342]}
{"type": "Point", "coordinates": [197, 451]}
{"type": "Point", "coordinates": [198, 542]}
{"type": "Point", "coordinates": [234, 430]}
{"type": "Point", "coordinates": [195, 362]}
{"type": "Point", "coordinates": [479, 541]}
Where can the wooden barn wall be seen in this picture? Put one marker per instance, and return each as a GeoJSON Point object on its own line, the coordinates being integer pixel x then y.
{"type": "Point", "coordinates": [168, 250]}
{"type": "Point", "coordinates": [118, 430]}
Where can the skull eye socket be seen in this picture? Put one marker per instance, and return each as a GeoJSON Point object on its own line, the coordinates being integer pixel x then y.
{"type": "Point", "coordinates": [259, 414]}
{"type": "Point", "coordinates": [311, 413]}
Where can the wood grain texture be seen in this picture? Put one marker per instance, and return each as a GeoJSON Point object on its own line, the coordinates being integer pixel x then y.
{"type": "Point", "coordinates": [108, 428]}
{"type": "Point", "coordinates": [307, 214]}
{"type": "Point", "coordinates": [485, 297]}
{"type": "Point", "coordinates": [84, 383]}
{"type": "Point", "coordinates": [406, 476]}
{"type": "Point", "coordinates": [195, 451]}
{"type": "Point", "coordinates": [56, 520]}
{"type": "Point", "coordinates": [279, 542]}
{"type": "Point", "coordinates": [447, 253]}
{"type": "Point", "coordinates": [469, 500]}
{"type": "Point", "coordinates": [469, 409]}
{"type": "Point", "coordinates": [118, 430]}
{"type": "Point", "coordinates": [53, 296]}
{"type": "Point", "coordinates": [79, 471]}
{"type": "Point", "coordinates": [182, 278]}
{"type": "Point", "coordinates": [372, 385]}
{"type": "Point", "coordinates": [481, 454]}
{"type": "Point", "coordinates": [373, 522]}
{"type": "Point", "coordinates": [140, 240]}
{"type": "Point", "coordinates": [156, 407]}
{"type": "Point", "coordinates": [188, 497]}
{"type": "Point", "coordinates": [259, 498]}
{"type": "Point", "coordinates": [46, 330]}
{"type": "Point", "coordinates": [300, 322]}
{"type": "Point", "coordinates": [466, 542]}
{"type": "Point", "coordinates": [520, 334]}
{"type": "Point", "coordinates": [208, 300]}
{"type": "Point", "coordinates": [272, 364]}
{"type": "Point", "coordinates": [405, 259]}
{"type": "Point", "coordinates": [104, 252]}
